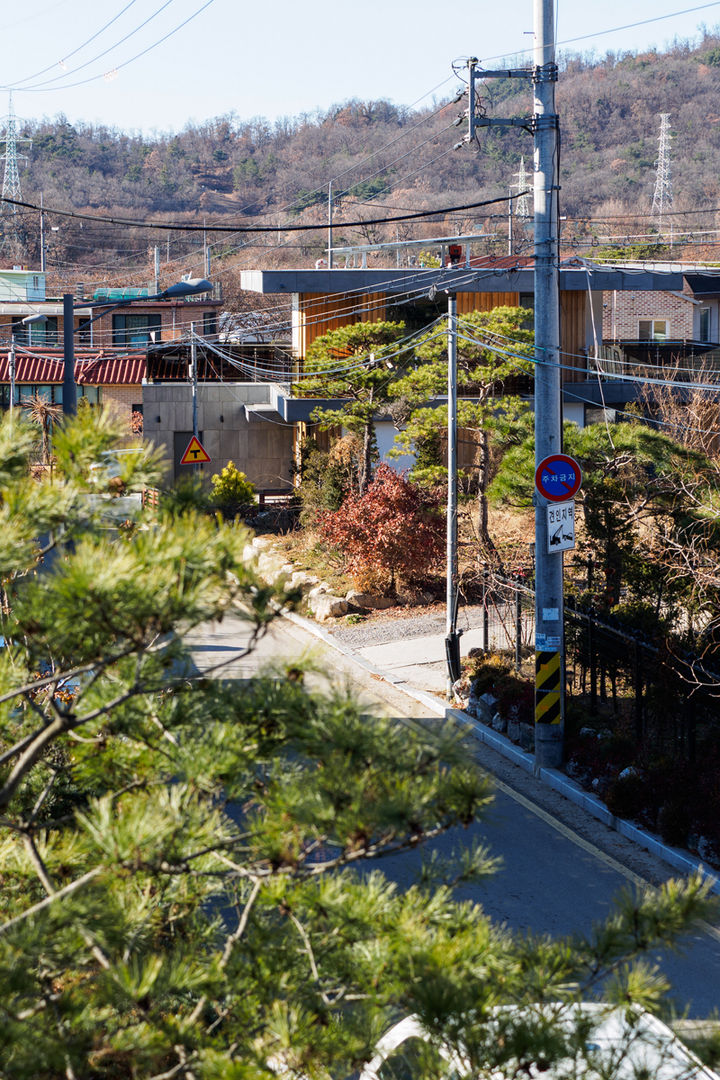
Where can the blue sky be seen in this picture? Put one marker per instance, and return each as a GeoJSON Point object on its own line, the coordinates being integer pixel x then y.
{"type": "Point", "coordinates": [284, 57]}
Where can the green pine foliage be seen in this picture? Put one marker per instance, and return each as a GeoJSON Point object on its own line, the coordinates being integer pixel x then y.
{"type": "Point", "coordinates": [650, 514]}
{"type": "Point", "coordinates": [356, 365]}
{"type": "Point", "coordinates": [179, 893]}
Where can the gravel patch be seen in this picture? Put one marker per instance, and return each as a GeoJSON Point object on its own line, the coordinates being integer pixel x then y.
{"type": "Point", "coordinates": [399, 624]}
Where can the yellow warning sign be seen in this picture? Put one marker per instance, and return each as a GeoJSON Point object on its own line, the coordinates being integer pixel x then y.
{"type": "Point", "coordinates": [195, 454]}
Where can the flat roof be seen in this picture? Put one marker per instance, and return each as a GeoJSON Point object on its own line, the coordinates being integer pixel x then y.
{"type": "Point", "coordinates": [488, 278]}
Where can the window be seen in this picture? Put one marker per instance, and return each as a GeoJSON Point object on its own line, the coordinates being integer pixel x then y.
{"type": "Point", "coordinates": [50, 392]}
{"type": "Point", "coordinates": [209, 323]}
{"type": "Point", "coordinates": [136, 329]}
{"type": "Point", "coordinates": [705, 324]}
{"type": "Point", "coordinates": [653, 330]}
{"type": "Point", "coordinates": [39, 333]}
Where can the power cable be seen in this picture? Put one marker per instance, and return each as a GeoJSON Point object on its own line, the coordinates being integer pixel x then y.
{"type": "Point", "coordinates": [176, 227]}
{"type": "Point", "coordinates": [97, 34]}
{"type": "Point", "coordinates": [45, 88]}
{"type": "Point", "coordinates": [611, 30]}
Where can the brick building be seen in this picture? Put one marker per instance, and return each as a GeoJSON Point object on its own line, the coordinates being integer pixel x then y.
{"type": "Point", "coordinates": [636, 315]}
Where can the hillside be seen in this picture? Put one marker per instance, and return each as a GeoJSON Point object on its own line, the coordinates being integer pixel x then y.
{"type": "Point", "coordinates": [230, 169]}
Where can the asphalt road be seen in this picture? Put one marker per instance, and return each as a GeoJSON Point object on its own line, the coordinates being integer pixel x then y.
{"type": "Point", "coordinates": [561, 867]}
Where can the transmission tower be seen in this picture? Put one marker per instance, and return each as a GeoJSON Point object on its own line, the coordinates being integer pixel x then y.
{"type": "Point", "coordinates": [522, 205]}
{"type": "Point", "coordinates": [13, 231]}
{"type": "Point", "coordinates": [662, 198]}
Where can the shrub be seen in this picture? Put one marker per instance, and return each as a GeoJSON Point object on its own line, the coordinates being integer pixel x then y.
{"type": "Point", "coordinates": [231, 490]}
{"type": "Point", "coordinates": [327, 477]}
{"type": "Point", "coordinates": [627, 796]}
{"type": "Point", "coordinates": [395, 527]}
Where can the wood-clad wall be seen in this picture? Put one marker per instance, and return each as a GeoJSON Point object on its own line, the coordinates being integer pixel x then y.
{"type": "Point", "coordinates": [320, 313]}
{"type": "Point", "coordinates": [484, 301]}
{"type": "Point", "coordinates": [573, 343]}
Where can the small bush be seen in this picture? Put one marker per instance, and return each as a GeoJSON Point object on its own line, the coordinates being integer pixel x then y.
{"type": "Point", "coordinates": [495, 674]}
{"type": "Point", "coordinates": [627, 796]}
{"type": "Point", "coordinates": [231, 490]}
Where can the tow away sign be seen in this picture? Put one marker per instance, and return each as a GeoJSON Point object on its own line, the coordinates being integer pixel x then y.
{"type": "Point", "coordinates": [196, 454]}
{"type": "Point", "coordinates": [561, 526]}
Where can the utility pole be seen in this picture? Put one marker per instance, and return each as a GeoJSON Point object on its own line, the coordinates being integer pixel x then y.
{"type": "Point", "coordinates": [193, 381]}
{"type": "Point", "coordinates": [156, 269]}
{"type": "Point", "coordinates": [11, 366]}
{"type": "Point", "coordinates": [42, 236]}
{"type": "Point", "coordinates": [330, 226]}
{"type": "Point", "coordinates": [549, 614]}
{"type": "Point", "coordinates": [549, 635]}
{"type": "Point", "coordinates": [452, 637]}
{"type": "Point", "coordinates": [510, 222]}
{"type": "Point", "coordinates": [69, 402]}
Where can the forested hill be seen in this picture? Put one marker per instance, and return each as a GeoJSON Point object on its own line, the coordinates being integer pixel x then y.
{"type": "Point", "coordinates": [230, 168]}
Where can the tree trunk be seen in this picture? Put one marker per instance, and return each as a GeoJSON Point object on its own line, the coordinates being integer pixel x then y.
{"type": "Point", "coordinates": [488, 552]}
{"type": "Point", "coordinates": [365, 471]}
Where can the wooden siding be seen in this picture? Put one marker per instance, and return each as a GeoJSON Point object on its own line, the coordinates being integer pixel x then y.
{"type": "Point", "coordinates": [573, 342]}
{"type": "Point", "coordinates": [467, 302]}
{"type": "Point", "coordinates": [320, 313]}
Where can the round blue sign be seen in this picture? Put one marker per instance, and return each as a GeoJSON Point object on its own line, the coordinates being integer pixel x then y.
{"type": "Point", "coordinates": [558, 477]}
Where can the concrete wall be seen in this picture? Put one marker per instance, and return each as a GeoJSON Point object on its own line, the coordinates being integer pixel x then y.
{"type": "Point", "coordinates": [261, 447]}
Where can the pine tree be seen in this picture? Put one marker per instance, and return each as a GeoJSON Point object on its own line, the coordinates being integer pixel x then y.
{"type": "Point", "coordinates": [179, 894]}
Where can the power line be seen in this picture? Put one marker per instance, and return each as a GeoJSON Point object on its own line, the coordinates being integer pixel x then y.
{"type": "Point", "coordinates": [44, 88]}
{"type": "Point", "coordinates": [97, 34]}
{"type": "Point", "coordinates": [177, 227]}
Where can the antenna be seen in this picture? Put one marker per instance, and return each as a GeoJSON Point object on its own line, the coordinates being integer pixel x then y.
{"type": "Point", "coordinates": [662, 198]}
{"type": "Point", "coordinates": [13, 231]}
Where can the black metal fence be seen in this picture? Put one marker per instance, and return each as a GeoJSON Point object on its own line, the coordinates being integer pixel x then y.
{"type": "Point", "coordinates": [651, 693]}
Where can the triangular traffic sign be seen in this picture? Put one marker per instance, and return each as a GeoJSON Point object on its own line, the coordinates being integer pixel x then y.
{"type": "Point", "coordinates": [195, 454]}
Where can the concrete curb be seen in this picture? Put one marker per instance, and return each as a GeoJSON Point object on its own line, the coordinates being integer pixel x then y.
{"type": "Point", "coordinates": [555, 779]}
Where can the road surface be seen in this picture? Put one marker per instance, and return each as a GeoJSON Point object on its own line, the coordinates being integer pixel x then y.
{"type": "Point", "coordinates": [561, 867]}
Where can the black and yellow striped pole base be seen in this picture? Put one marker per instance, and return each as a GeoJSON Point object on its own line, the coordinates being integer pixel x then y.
{"type": "Point", "coordinates": [548, 687]}
{"type": "Point", "coordinates": [548, 710]}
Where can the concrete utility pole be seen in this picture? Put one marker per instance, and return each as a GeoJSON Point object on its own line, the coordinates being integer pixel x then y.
{"type": "Point", "coordinates": [193, 378]}
{"type": "Point", "coordinates": [549, 615]}
{"type": "Point", "coordinates": [549, 643]}
{"type": "Point", "coordinates": [452, 638]}
{"type": "Point", "coordinates": [69, 402]}
{"type": "Point", "coordinates": [11, 366]}
{"type": "Point", "coordinates": [42, 236]}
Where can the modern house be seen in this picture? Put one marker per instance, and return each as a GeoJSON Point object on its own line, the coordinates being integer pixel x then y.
{"type": "Point", "coordinates": [323, 299]}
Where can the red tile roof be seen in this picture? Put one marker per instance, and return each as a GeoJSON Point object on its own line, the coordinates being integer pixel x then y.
{"type": "Point", "coordinates": [91, 369]}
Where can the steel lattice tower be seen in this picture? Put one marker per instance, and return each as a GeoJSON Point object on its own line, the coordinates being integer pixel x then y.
{"type": "Point", "coordinates": [13, 232]}
{"type": "Point", "coordinates": [522, 205]}
{"type": "Point", "coordinates": [662, 198]}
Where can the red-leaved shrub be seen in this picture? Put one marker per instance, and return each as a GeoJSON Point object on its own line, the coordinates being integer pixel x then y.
{"type": "Point", "coordinates": [395, 528]}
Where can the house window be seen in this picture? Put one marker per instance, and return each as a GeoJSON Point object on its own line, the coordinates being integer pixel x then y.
{"type": "Point", "coordinates": [210, 323]}
{"type": "Point", "coordinates": [653, 330]}
{"type": "Point", "coordinates": [705, 324]}
{"type": "Point", "coordinates": [39, 333]}
{"type": "Point", "coordinates": [136, 329]}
